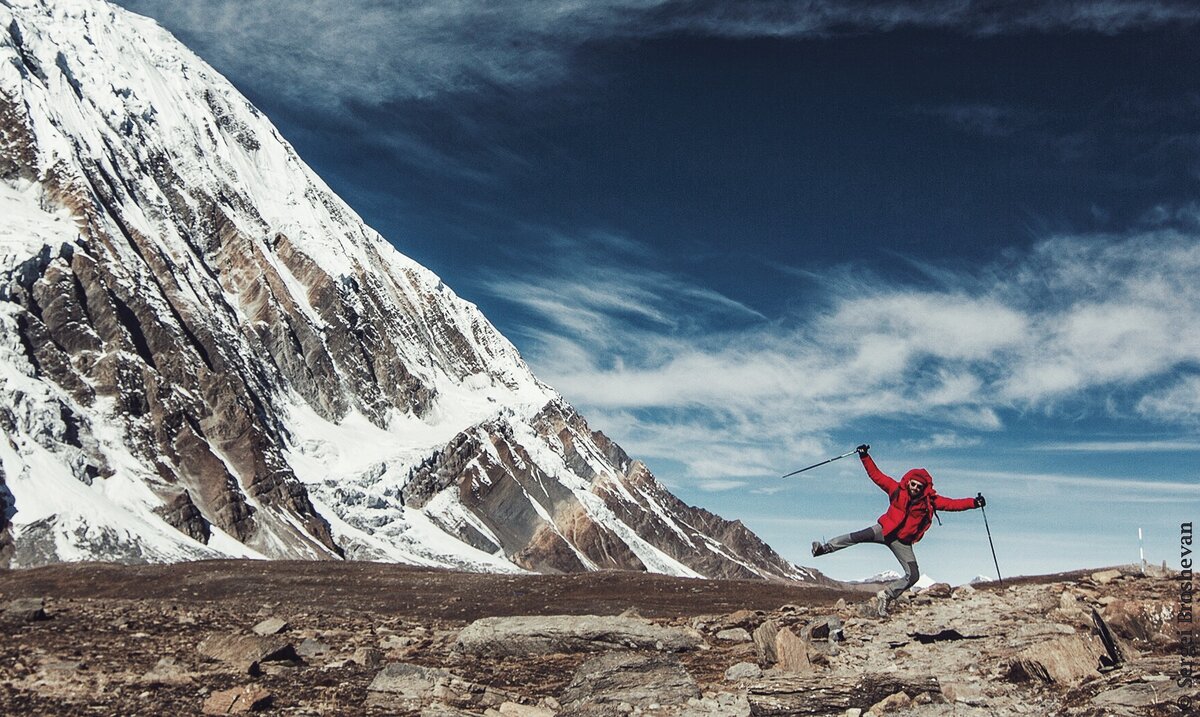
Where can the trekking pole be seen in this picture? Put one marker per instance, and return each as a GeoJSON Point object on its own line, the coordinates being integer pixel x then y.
{"type": "Point", "coordinates": [990, 543]}
{"type": "Point", "coordinates": [831, 460]}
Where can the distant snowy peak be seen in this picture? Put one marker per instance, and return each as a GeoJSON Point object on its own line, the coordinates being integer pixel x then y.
{"type": "Point", "coordinates": [888, 576]}
{"type": "Point", "coordinates": [206, 353]}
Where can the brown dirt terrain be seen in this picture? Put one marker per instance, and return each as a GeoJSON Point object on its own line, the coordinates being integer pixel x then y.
{"type": "Point", "coordinates": [111, 624]}
{"type": "Point", "coordinates": [127, 640]}
{"type": "Point", "coordinates": [406, 591]}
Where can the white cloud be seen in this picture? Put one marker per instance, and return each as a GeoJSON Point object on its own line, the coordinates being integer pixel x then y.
{"type": "Point", "coordinates": [1179, 403]}
{"type": "Point", "coordinates": [1078, 320]}
{"type": "Point", "coordinates": [942, 440]}
{"type": "Point", "coordinates": [1123, 446]}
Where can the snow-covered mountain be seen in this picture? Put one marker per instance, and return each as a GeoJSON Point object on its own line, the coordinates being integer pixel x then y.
{"type": "Point", "coordinates": [888, 576]}
{"type": "Point", "coordinates": [206, 353]}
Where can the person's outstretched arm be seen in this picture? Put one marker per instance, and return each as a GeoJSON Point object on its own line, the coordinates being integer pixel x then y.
{"type": "Point", "coordinates": [881, 479]}
{"type": "Point", "coordinates": [951, 504]}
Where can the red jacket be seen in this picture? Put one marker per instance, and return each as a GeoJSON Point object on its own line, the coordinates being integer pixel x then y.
{"type": "Point", "coordinates": [906, 519]}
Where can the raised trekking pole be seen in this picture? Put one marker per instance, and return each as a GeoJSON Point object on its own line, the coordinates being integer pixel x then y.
{"type": "Point", "coordinates": [831, 460]}
{"type": "Point", "coordinates": [990, 543]}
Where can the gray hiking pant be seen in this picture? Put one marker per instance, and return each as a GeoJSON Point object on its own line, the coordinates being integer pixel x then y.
{"type": "Point", "coordinates": [904, 553]}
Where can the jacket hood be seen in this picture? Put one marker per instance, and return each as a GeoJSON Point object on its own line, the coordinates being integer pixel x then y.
{"type": "Point", "coordinates": [918, 474]}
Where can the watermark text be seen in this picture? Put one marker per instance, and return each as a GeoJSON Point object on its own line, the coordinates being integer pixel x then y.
{"type": "Point", "coordinates": [1184, 616]}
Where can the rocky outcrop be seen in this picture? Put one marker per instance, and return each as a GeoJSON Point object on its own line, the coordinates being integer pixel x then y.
{"type": "Point", "coordinates": [407, 686]}
{"type": "Point", "coordinates": [824, 695]}
{"type": "Point", "coordinates": [528, 635]}
{"type": "Point", "coordinates": [1065, 660]}
{"type": "Point", "coordinates": [601, 685]}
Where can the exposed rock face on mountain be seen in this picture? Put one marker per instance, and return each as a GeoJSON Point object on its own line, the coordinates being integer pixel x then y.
{"type": "Point", "coordinates": [555, 495]}
{"type": "Point", "coordinates": [204, 352]}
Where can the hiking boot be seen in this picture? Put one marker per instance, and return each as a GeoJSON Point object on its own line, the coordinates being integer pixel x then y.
{"type": "Point", "coordinates": [880, 603]}
{"type": "Point", "coordinates": [821, 548]}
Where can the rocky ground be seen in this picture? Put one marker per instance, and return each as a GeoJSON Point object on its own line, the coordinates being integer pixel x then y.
{"type": "Point", "coordinates": [360, 638]}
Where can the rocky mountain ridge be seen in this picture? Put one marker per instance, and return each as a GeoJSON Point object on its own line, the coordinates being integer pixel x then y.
{"type": "Point", "coordinates": [205, 352]}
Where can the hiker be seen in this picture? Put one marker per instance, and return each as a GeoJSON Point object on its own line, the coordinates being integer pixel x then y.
{"type": "Point", "coordinates": [913, 502]}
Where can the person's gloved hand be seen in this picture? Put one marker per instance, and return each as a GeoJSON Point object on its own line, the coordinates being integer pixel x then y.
{"type": "Point", "coordinates": [862, 450]}
{"type": "Point", "coordinates": [980, 501]}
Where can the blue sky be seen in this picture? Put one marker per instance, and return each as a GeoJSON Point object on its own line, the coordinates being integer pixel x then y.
{"type": "Point", "coordinates": [743, 237]}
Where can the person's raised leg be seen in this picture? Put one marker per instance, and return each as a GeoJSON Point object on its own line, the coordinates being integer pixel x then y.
{"type": "Point", "coordinates": [874, 534]}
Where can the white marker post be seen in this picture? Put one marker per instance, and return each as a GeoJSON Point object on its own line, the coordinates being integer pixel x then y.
{"type": "Point", "coordinates": [1141, 551]}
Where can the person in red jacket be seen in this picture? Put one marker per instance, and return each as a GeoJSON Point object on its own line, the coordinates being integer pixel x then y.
{"type": "Point", "coordinates": [912, 503]}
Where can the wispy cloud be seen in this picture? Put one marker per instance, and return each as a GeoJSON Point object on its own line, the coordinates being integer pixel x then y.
{"type": "Point", "coordinates": [982, 118]}
{"type": "Point", "coordinates": [326, 54]}
{"type": "Point", "coordinates": [942, 440]}
{"type": "Point", "coordinates": [1179, 402]}
{"type": "Point", "coordinates": [1092, 488]}
{"type": "Point", "coordinates": [1121, 446]}
{"type": "Point", "coordinates": [1090, 324]}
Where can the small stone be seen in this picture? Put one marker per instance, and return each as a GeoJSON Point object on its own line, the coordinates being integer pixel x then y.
{"type": "Point", "coordinates": [897, 702]}
{"type": "Point", "coordinates": [743, 671]}
{"type": "Point", "coordinates": [937, 590]}
{"type": "Point", "coordinates": [166, 672]}
{"type": "Point", "coordinates": [962, 692]}
{"type": "Point", "coordinates": [237, 701]}
{"type": "Point", "coordinates": [25, 610]}
{"type": "Point", "coordinates": [823, 628]}
{"type": "Point", "coordinates": [311, 647]}
{"type": "Point", "coordinates": [395, 642]}
{"type": "Point", "coordinates": [1104, 577]}
{"type": "Point", "coordinates": [270, 626]}
{"type": "Point", "coordinates": [734, 634]}
{"type": "Point", "coordinates": [740, 618]}
{"type": "Point", "coordinates": [514, 709]}
{"type": "Point", "coordinates": [368, 657]}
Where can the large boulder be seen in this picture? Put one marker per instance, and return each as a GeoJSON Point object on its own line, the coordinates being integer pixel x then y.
{"type": "Point", "coordinates": [1147, 623]}
{"type": "Point", "coordinates": [1065, 660]}
{"type": "Point", "coordinates": [792, 653]}
{"type": "Point", "coordinates": [24, 610]}
{"type": "Point", "coordinates": [245, 652]}
{"type": "Point", "coordinates": [534, 635]}
{"type": "Point", "coordinates": [405, 686]}
{"type": "Point", "coordinates": [604, 682]}
{"type": "Point", "coordinates": [764, 641]}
